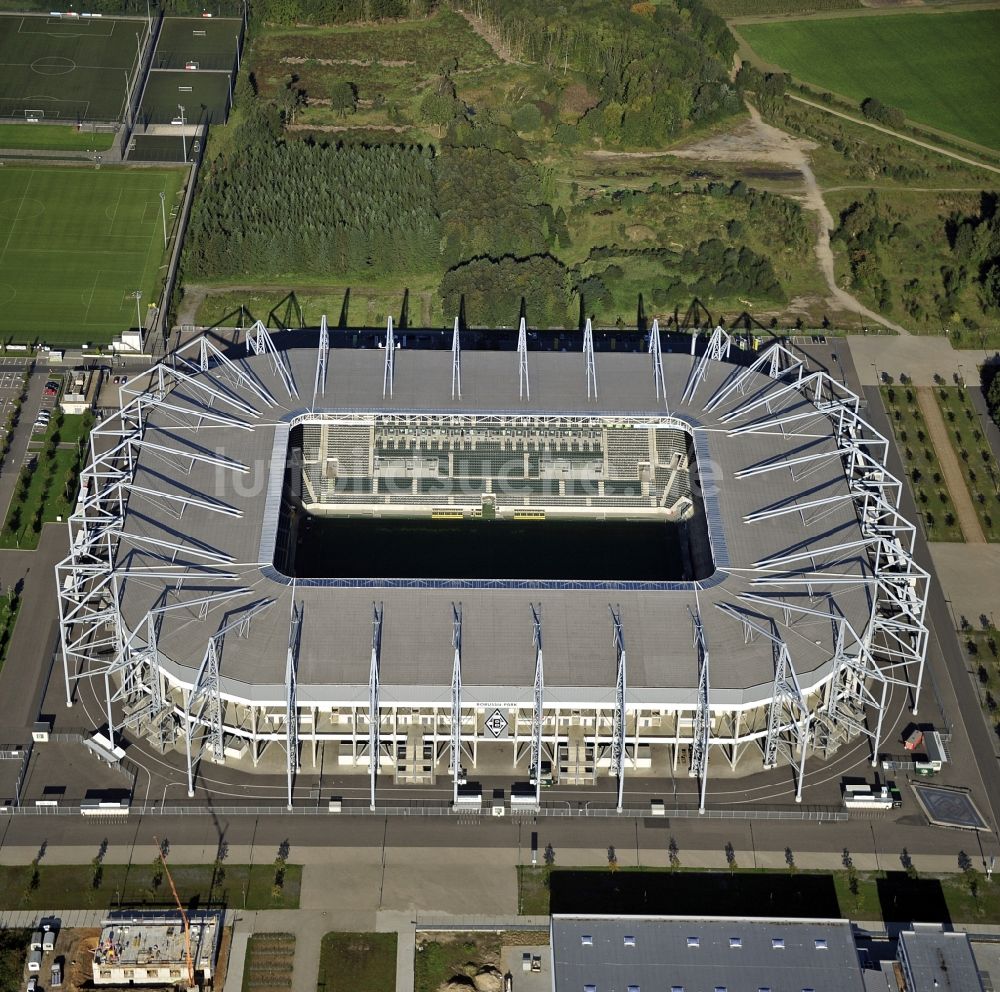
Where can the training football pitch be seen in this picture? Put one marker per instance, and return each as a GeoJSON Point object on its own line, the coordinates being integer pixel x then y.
{"type": "Point", "coordinates": [939, 68]}
{"type": "Point", "coordinates": [67, 69]}
{"type": "Point", "coordinates": [75, 245]}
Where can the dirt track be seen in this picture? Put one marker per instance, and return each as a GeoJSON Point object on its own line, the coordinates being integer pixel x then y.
{"type": "Point", "coordinates": [755, 141]}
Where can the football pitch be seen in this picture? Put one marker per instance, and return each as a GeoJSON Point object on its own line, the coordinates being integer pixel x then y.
{"type": "Point", "coordinates": [67, 69]}
{"type": "Point", "coordinates": [939, 68]}
{"type": "Point", "coordinates": [75, 245]}
{"type": "Point", "coordinates": [205, 43]}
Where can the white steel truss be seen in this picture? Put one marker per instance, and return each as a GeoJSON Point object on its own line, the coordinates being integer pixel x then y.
{"type": "Point", "coordinates": [701, 737]}
{"type": "Point", "coordinates": [456, 364]}
{"type": "Point", "coordinates": [389, 347]}
{"type": "Point", "coordinates": [259, 341]}
{"type": "Point", "coordinates": [588, 357]}
{"type": "Point", "coordinates": [618, 731]}
{"type": "Point", "coordinates": [537, 714]}
{"type": "Point", "coordinates": [203, 713]}
{"type": "Point", "coordinates": [716, 350]}
{"type": "Point", "coordinates": [788, 715]}
{"type": "Point", "coordinates": [524, 387]}
{"type": "Point", "coordinates": [322, 357]}
{"type": "Point", "coordinates": [456, 700]}
{"type": "Point", "coordinates": [373, 699]}
{"type": "Point", "coordinates": [656, 354]}
{"type": "Point", "coordinates": [291, 699]}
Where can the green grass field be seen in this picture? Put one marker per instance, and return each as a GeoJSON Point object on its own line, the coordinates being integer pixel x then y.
{"type": "Point", "coordinates": [211, 43]}
{"type": "Point", "coordinates": [74, 242]}
{"type": "Point", "coordinates": [204, 96]}
{"type": "Point", "coordinates": [357, 962]}
{"type": "Point", "coordinates": [61, 138]}
{"type": "Point", "coordinates": [69, 69]}
{"type": "Point", "coordinates": [935, 67]}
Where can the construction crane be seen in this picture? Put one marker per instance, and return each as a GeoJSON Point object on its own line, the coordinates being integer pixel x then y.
{"type": "Point", "coordinates": [184, 918]}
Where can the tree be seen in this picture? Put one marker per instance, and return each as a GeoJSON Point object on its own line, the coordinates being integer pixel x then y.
{"type": "Point", "coordinates": [674, 854]}
{"type": "Point", "coordinates": [344, 97]}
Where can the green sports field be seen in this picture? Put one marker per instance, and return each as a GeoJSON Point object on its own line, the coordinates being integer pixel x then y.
{"type": "Point", "coordinates": [940, 69]}
{"type": "Point", "coordinates": [70, 70]}
{"type": "Point", "coordinates": [204, 96]}
{"type": "Point", "coordinates": [74, 242]}
{"type": "Point", "coordinates": [209, 42]}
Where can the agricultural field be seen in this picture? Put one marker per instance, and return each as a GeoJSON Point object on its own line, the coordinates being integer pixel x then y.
{"type": "Point", "coordinates": [933, 66]}
{"type": "Point", "coordinates": [67, 70]}
{"type": "Point", "coordinates": [77, 243]}
{"type": "Point", "coordinates": [268, 965]}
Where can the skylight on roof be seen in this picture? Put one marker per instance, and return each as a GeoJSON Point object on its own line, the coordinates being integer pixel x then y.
{"type": "Point", "coordinates": [778, 943]}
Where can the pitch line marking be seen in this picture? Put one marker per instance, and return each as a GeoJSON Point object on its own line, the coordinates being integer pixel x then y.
{"type": "Point", "coordinates": [17, 214]}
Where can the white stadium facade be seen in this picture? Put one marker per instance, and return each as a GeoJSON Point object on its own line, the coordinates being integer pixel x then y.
{"type": "Point", "coordinates": [649, 561]}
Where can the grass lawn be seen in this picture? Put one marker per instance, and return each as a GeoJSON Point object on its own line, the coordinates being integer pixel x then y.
{"type": "Point", "coordinates": [72, 886]}
{"type": "Point", "coordinates": [979, 467]}
{"type": "Point", "coordinates": [357, 962]}
{"type": "Point", "coordinates": [50, 493]}
{"type": "Point", "coordinates": [982, 647]}
{"type": "Point", "coordinates": [69, 69]}
{"type": "Point", "coordinates": [53, 138]}
{"type": "Point", "coordinates": [80, 240]}
{"type": "Point", "coordinates": [13, 951]}
{"type": "Point", "coordinates": [929, 65]}
{"type": "Point", "coordinates": [920, 461]}
{"type": "Point", "coordinates": [860, 895]}
{"type": "Point", "coordinates": [268, 963]}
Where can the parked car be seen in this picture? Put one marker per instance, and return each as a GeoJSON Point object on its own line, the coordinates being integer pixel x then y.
{"type": "Point", "coordinates": [32, 984]}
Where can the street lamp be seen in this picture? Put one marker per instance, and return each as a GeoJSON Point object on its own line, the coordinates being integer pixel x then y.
{"type": "Point", "coordinates": [961, 376]}
{"type": "Point", "coordinates": [183, 139]}
{"type": "Point", "coordinates": [138, 314]}
{"type": "Point", "coordinates": [163, 214]}
{"type": "Point", "coordinates": [874, 366]}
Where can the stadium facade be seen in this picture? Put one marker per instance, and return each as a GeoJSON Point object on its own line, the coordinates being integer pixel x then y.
{"type": "Point", "coordinates": [218, 622]}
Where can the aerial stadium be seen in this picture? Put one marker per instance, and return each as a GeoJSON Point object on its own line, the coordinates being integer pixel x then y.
{"type": "Point", "coordinates": [569, 564]}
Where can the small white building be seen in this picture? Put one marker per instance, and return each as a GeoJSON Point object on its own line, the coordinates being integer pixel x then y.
{"type": "Point", "coordinates": [81, 392]}
{"type": "Point", "coordinates": [149, 949]}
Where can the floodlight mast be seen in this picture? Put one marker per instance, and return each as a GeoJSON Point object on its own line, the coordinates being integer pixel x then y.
{"type": "Point", "coordinates": [183, 137]}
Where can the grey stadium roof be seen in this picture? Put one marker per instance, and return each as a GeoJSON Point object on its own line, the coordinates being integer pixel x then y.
{"type": "Point", "coordinates": [693, 954]}
{"type": "Point", "coordinates": [497, 655]}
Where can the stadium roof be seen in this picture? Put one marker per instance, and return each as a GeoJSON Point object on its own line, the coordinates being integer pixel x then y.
{"type": "Point", "coordinates": [229, 420]}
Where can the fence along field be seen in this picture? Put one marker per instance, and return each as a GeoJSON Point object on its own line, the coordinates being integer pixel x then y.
{"type": "Point", "coordinates": [939, 68]}
{"type": "Point", "coordinates": [75, 244]}
{"type": "Point", "coordinates": [67, 70]}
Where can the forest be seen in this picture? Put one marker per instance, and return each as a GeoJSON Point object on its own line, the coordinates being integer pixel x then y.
{"type": "Point", "coordinates": [452, 164]}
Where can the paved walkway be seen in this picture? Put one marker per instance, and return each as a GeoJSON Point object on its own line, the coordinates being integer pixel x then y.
{"type": "Point", "coordinates": [919, 356]}
{"type": "Point", "coordinates": [953, 476]}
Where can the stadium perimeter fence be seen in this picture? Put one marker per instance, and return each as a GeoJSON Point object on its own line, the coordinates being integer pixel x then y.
{"type": "Point", "coordinates": [815, 814]}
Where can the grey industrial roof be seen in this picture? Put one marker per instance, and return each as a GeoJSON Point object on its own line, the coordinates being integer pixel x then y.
{"type": "Point", "coordinates": [692, 954]}
{"type": "Point", "coordinates": [497, 656]}
{"type": "Point", "coordinates": [938, 959]}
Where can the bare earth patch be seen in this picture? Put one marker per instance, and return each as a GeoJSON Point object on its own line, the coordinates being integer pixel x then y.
{"type": "Point", "coordinates": [758, 142]}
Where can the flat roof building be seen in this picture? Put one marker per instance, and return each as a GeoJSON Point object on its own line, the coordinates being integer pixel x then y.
{"type": "Point", "coordinates": [691, 954]}
{"type": "Point", "coordinates": [933, 958]}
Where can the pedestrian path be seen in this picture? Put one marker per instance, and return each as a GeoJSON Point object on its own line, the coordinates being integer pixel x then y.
{"type": "Point", "coordinates": [953, 476]}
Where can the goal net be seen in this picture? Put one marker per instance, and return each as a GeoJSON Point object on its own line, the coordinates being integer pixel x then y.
{"type": "Point", "coordinates": [33, 116]}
